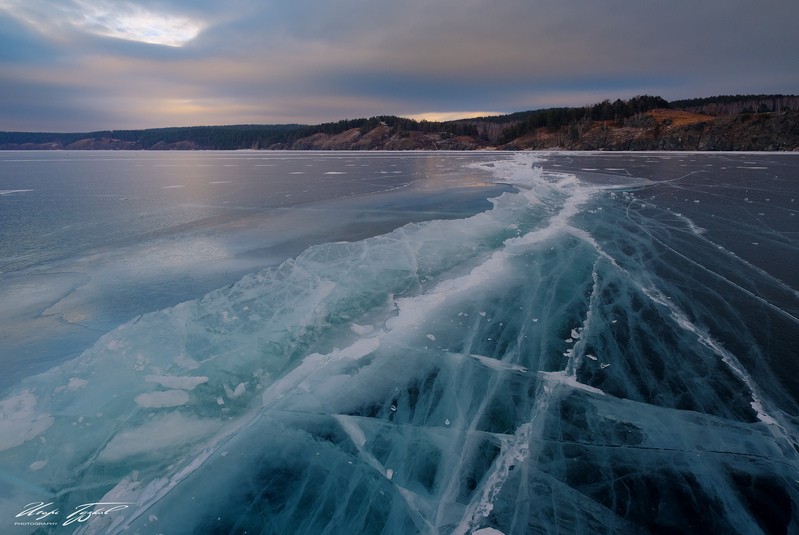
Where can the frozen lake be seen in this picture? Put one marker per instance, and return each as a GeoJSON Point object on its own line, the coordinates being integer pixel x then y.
{"type": "Point", "coordinates": [90, 240]}
{"type": "Point", "coordinates": [334, 343]}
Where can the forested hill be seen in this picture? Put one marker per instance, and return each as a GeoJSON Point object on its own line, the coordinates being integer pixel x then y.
{"type": "Point", "coordinates": [740, 122]}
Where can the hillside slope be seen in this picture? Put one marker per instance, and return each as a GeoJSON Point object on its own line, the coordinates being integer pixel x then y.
{"type": "Point", "coordinates": [739, 123]}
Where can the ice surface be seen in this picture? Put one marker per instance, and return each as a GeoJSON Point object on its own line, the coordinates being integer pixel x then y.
{"type": "Point", "coordinates": [115, 244]}
{"type": "Point", "coordinates": [565, 362]}
{"type": "Point", "coordinates": [20, 420]}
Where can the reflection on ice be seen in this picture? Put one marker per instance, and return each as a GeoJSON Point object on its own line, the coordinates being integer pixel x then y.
{"type": "Point", "coordinates": [56, 309]}
{"type": "Point", "coordinates": [555, 364]}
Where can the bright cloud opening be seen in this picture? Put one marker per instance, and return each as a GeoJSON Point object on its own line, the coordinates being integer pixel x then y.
{"type": "Point", "coordinates": [118, 20]}
{"type": "Point", "coordinates": [133, 23]}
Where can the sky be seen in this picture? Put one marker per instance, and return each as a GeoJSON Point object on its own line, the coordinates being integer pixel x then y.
{"type": "Point", "coordinates": [85, 65]}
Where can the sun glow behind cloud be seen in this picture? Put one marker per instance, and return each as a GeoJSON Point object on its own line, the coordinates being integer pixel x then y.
{"type": "Point", "coordinates": [119, 20]}
{"type": "Point", "coordinates": [450, 115]}
{"type": "Point", "coordinates": [134, 23]}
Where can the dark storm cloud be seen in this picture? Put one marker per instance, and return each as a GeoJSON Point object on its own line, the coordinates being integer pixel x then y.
{"type": "Point", "coordinates": [91, 64]}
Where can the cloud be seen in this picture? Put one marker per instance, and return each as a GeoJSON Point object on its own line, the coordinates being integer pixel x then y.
{"type": "Point", "coordinates": [179, 62]}
{"type": "Point", "coordinates": [132, 23]}
{"type": "Point", "coordinates": [120, 20]}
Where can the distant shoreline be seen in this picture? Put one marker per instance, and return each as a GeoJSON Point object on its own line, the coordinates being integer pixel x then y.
{"type": "Point", "coordinates": [732, 123]}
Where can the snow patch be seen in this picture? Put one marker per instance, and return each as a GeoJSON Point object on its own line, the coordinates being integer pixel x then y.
{"type": "Point", "coordinates": [20, 421]}
{"type": "Point", "coordinates": [170, 431]}
{"type": "Point", "coordinates": [159, 400]}
{"type": "Point", "coordinates": [176, 382]}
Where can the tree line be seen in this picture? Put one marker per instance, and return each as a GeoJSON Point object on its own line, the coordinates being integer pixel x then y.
{"type": "Point", "coordinates": [580, 118]}
{"type": "Point", "coordinates": [738, 104]}
{"type": "Point", "coordinates": [493, 130]}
